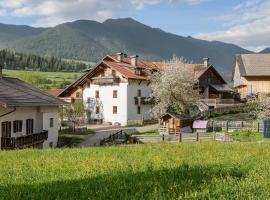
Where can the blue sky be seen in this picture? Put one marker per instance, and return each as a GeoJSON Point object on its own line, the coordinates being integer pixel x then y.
{"type": "Point", "coordinates": [242, 22]}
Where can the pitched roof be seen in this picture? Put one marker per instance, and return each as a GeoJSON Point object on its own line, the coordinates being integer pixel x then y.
{"type": "Point", "coordinates": [14, 92]}
{"type": "Point", "coordinates": [55, 92]}
{"type": "Point", "coordinates": [253, 64]}
{"type": "Point", "coordinates": [177, 116]}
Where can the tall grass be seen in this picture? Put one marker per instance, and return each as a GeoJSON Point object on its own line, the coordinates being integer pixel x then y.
{"type": "Point", "coordinates": [158, 171]}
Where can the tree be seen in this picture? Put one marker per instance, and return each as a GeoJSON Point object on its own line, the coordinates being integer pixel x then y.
{"type": "Point", "coordinates": [174, 88]}
{"type": "Point", "coordinates": [75, 113]}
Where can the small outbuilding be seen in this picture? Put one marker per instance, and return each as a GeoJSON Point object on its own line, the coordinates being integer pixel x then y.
{"type": "Point", "coordinates": [200, 126]}
{"type": "Point", "coordinates": [173, 122]}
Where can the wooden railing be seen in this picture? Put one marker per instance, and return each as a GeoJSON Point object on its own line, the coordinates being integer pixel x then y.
{"type": "Point", "coordinates": [220, 101]}
{"type": "Point", "coordinates": [143, 100]}
{"type": "Point", "coordinates": [24, 141]}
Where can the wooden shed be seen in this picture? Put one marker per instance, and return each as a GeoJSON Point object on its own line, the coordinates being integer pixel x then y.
{"type": "Point", "coordinates": [171, 123]}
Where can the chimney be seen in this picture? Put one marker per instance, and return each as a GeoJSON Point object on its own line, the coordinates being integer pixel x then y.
{"type": "Point", "coordinates": [206, 62]}
{"type": "Point", "coordinates": [134, 60]}
{"type": "Point", "coordinates": [120, 56]}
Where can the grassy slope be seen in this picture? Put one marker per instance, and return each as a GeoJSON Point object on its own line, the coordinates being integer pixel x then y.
{"type": "Point", "coordinates": [56, 77]}
{"type": "Point", "coordinates": [160, 171]}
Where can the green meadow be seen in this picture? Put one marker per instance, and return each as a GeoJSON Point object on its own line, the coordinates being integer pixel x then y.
{"type": "Point", "coordinates": [44, 80]}
{"type": "Point", "coordinates": [152, 171]}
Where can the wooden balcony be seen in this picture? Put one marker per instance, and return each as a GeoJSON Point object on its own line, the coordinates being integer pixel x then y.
{"type": "Point", "coordinates": [106, 80]}
{"type": "Point", "coordinates": [24, 141]}
{"type": "Point", "coordinates": [143, 100]}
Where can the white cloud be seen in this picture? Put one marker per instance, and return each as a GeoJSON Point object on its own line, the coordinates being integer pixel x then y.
{"type": "Point", "coordinates": [2, 12]}
{"type": "Point", "coordinates": [53, 12]}
{"type": "Point", "coordinates": [249, 25]}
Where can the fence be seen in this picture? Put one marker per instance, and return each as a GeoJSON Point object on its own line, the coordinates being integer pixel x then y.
{"type": "Point", "coordinates": [181, 137]}
{"type": "Point", "coordinates": [235, 125]}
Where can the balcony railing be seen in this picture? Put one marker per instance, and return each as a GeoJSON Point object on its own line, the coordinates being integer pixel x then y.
{"type": "Point", "coordinates": [220, 101]}
{"type": "Point", "coordinates": [143, 100]}
{"type": "Point", "coordinates": [106, 80]}
{"type": "Point", "coordinates": [24, 141]}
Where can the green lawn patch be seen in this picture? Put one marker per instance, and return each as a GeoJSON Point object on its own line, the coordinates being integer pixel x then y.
{"type": "Point", "coordinates": [246, 135]}
{"type": "Point", "coordinates": [157, 171]}
{"type": "Point", "coordinates": [45, 80]}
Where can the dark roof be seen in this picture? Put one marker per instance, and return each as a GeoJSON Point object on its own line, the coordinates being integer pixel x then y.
{"type": "Point", "coordinates": [14, 92]}
{"type": "Point", "coordinates": [253, 64]}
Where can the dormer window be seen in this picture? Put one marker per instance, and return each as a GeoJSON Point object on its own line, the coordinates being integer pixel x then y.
{"type": "Point", "coordinates": [138, 71]}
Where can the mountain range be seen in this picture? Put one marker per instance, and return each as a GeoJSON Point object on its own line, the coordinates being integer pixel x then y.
{"type": "Point", "coordinates": [90, 40]}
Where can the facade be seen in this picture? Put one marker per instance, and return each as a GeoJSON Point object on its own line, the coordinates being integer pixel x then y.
{"type": "Point", "coordinates": [117, 90]}
{"type": "Point", "coordinates": [251, 74]}
{"type": "Point", "coordinates": [28, 116]}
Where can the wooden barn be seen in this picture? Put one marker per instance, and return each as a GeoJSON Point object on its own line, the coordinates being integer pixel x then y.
{"type": "Point", "coordinates": [171, 123]}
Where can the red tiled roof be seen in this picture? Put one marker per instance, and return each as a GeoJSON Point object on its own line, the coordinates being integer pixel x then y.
{"type": "Point", "coordinates": [55, 92]}
{"type": "Point", "coordinates": [124, 71]}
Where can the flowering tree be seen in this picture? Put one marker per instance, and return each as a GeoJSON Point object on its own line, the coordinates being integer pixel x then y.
{"type": "Point", "coordinates": [75, 113]}
{"type": "Point", "coordinates": [174, 88]}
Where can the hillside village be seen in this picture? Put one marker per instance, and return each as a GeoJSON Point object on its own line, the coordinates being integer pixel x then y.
{"type": "Point", "coordinates": [117, 93]}
{"type": "Point", "coordinates": [134, 99]}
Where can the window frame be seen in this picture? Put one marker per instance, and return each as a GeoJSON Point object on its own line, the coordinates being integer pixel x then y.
{"type": "Point", "coordinates": [115, 110]}
{"type": "Point", "coordinates": [115, 94]}
{"type": "Point", "coordinates": [17, 126]}
{"type": "Point", "coordinates": [97, 110]}
{"type": "Point", "coordinates": [29, 126]}
{"type": "Point", "coordinates": [51, 122]}
{"type": "Point", "coordinates": [97, 95]}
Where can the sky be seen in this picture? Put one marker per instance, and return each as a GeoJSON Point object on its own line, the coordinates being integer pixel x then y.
{"type": "Point", "coordinates": [243, 22]}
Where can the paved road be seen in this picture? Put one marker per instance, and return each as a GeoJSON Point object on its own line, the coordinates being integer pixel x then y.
{"type": "Point", "coordinates": [101, 134]}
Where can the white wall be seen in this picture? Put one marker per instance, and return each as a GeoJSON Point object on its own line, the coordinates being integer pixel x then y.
{"type": "Point", "coordinates": [106, 102]}
{"type": "Point", "coordinates": [41, 118]}
{"type": "Point", "coordinates": [146, 91]}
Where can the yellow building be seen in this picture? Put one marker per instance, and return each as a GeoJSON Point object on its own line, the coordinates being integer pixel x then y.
{"type": "Point", "coordinates": [251, 74]}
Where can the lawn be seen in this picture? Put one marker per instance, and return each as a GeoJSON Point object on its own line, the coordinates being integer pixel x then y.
{"type": "Point", "coordinates": [52, 80]}
{"type": "Point", "coordinates": [157, 171]}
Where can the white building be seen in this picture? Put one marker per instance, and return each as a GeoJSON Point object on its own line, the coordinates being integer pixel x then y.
{"type": "Point", "coordinates": [117, 90]}
{"type": "Point", "coordinates": [28, 116]}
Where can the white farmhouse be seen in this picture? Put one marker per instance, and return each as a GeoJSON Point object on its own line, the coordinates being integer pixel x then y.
{"type": "Point", "coordinates": [117, 90]}
{"type": "Point", "coordinates": [28, 116]}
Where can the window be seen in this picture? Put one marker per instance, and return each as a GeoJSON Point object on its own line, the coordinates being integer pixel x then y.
{"type": "Point", "coordinates": [78, 95]}
{"type": "Point", "coordinates": [115, 94]}
{"type": "Point", "coordinates": [113, 72]}
{"type": "Point", "coordinates": [29, 126]}
{"type": "Point", "coordinates": [97, 110]}
{"type": "Point", "coordinates": [114, 109]}
{"type": "Point", "coordinates": [88, 100]}
{"type": "Point", "coordinates": [139, 93]}
{"type": "Point", "coordinates": [97, 94]}
{"type": "Point", "coordinates": [51, 122]}
{"type": "Point", "coordinates": [17, 126]}
{"type": "Point", "coordinates": [6, 129]}
{"type": "Point", "coordinates": [138, 110]}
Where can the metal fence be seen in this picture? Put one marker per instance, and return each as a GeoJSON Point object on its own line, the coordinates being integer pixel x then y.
{"type": "Point", "coordinates": [218, 126]}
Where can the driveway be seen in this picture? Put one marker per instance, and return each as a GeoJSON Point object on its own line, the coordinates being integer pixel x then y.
{"type": "Point", "coordinates": [102, 132]}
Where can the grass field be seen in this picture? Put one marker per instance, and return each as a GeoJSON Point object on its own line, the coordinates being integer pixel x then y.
{"type": "Point", "coordinates": [158, 171]}
{"type": "Point", "coordinates": [52, 80]}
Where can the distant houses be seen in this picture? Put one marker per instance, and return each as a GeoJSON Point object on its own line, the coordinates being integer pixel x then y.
{"type": "Point", "coordinates": [117, 90]}
{"type": "Point", "coordinates": [251, 74]}
{"type": "Point", "coordinates": [28, 116]}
